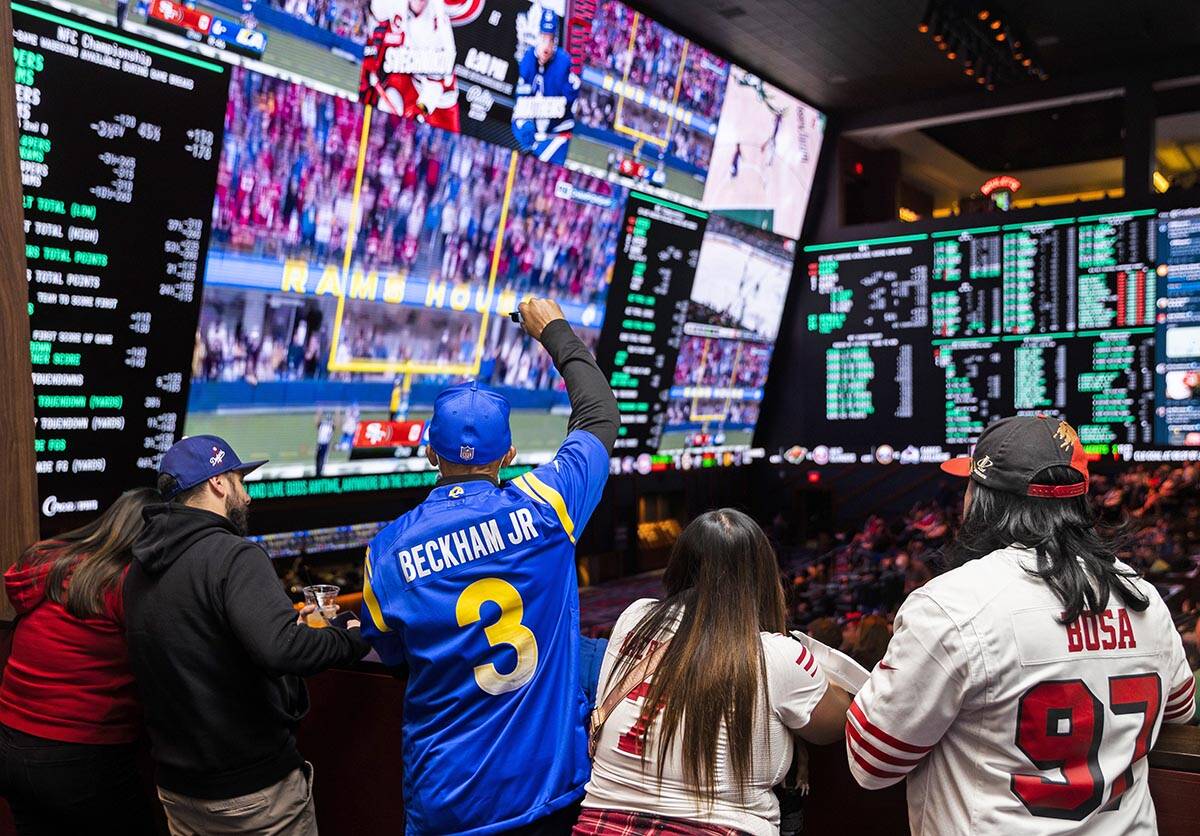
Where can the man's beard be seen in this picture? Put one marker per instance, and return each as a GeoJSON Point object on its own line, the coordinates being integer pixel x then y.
{"type": "Point", "coordinates": [239, 515]}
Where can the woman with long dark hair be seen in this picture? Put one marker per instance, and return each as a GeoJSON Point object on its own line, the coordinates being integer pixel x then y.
{"type": "Point", "coordinates": [69, 714]}
{"type": "Point", "coordinates": [702, 692]}
{"type": "Point", "coordinates": [1023, 688]}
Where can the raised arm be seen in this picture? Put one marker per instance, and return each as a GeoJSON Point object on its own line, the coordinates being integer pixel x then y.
{"type": "Point", "coordinates": [593, 406]}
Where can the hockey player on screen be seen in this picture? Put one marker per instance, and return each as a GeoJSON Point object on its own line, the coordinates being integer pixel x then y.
{"type": "Point", "coordinates": [543, 117]}
{"type": "Point", "coordinates": [408, 62]}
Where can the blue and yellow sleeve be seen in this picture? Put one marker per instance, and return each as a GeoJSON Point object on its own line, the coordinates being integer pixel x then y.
{"type": "Point", "coordinates": [571, 483]}
{"type": "Point", "coordinates": [385, 638]}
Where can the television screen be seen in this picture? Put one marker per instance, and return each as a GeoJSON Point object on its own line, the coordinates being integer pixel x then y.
{"type": "Point", "coordinates": [494, 69]}
{"type": "Point", "coordinates": [343, 293]}
{"type": "Point", "coordinates": [648, 108]}
{"type": "Point", "coordinates": [764, 156]}
{"type": "Point", "coordinates": [732, 321]}
{"type": "Point", "coordinates": [223, 237]}
{"type": "Point", "coordinates": [913, 344]}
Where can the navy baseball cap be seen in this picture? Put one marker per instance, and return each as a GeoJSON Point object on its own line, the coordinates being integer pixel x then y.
{"type": "Point", "coordinates": [1013, 452]}
{"type": "Point", "coordinates": [470, 425]}
{"type": "Point", "coordinates": [549, 22]}
{"type": "Point", "coordinates": [193, 459]}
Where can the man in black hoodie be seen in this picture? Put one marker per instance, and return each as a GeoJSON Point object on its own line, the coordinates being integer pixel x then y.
{"type": "Point", "coordinates": [218, 653]}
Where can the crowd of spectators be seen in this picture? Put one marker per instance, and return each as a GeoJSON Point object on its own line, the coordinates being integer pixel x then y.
{"type": "Point", "coordinates": [736, 414]}
{"type": "Point", "coordinates": [707, 361]}
{"type": "Point", "coordinates": [597, 108]}
{"type": "Point", "coordinates": [839, 587]}
{"type": "Point", "coordinates": [345, 18]}
{"type": "Point", "coordinates": [652, 61]}
{"type": "Point", "coordinates": [233, 346]}
{"type": "Point", "coordinates": [431, 201]}
{"type": "Point", "coordinates": [286, 174]}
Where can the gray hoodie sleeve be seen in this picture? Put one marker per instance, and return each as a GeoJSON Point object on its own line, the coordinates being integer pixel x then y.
{"type": "Point", "coordinates": [262, 617]}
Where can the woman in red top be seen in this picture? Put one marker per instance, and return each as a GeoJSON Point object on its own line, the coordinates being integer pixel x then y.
{"type": "Point", "coordinates": [69, 714]}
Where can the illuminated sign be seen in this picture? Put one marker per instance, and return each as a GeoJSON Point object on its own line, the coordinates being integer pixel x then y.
{"type": "Point", "coordinates": [1003, 182]}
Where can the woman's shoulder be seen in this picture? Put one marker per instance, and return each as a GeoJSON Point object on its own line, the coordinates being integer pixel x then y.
{"type": "Point", "coordinates": [633, 614]}
{"type": "Point", "coordinates": [780, 645]}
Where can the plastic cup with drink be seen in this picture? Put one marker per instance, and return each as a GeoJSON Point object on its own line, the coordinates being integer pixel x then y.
{"type": "Point", "coordinates": [322, 597]}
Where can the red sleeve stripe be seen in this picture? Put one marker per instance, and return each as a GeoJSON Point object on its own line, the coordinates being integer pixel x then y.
{"type": "Point", "coordinates": [883, 736]}
{"type": "Point", "coordinates": [1187, 698]}
{"type": "Point", "coordinates": [1185, 710]}
{"type": "Point", "coordinates": [807, 661]}
{"type": "Point", "coordinates": [868, 767]}
{"type": "Point", "coordinates": [878, 754]}
{"type": "Point", "coordinates": [1190, 685]}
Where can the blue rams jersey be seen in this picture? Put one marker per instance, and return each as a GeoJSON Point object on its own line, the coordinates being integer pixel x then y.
{"type": "Point", "coordinates": [475, 590]}
{"type": "Point", "coordinates": [555, 85]}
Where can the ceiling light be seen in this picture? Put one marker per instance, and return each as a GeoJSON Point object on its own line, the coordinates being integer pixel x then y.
{"type": "Point", "coordinates": [968, 71]}
{"type": "Point", "coordinates": [943, 46]}
{"type": "Point", "coordinates": [1026, 62]}
{"type": "Point", "coordinates": [1000, 36]}
{"type": "Point", "coordinates": [981, 80]}
{"type": "Point", "coordinates": [991, 87]}
{"type": "Point", "coordinates": [983, 14]}
{"type": "Point", "coordinates": [1161, 184]}
{"type": "Point", "coordinates": [922, 27]}
{"type": "Point", "coordinates": [995, 24]}
{"type": "Point", "coordinates": [951, 55]}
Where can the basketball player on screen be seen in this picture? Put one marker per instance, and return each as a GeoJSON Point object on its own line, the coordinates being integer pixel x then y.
{"type": "Point", "coordinates": [1023, 689]}
{"type": "Point", "coordinates": [408, 62]}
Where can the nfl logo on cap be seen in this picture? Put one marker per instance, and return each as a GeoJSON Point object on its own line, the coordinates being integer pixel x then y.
{"type": "Point", "coordinates": [470, 424]}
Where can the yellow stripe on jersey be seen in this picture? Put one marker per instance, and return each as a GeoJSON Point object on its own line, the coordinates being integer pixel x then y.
{"type": "Point", "coordinates": [556, 502]}
{"type": "Point", "coordinates": [525, 488]}
{"type": "Point", "coordinates": [371, 601]}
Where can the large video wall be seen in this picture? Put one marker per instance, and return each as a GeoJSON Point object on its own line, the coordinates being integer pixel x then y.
{"type": "Point", "coordinates": [914, 343]}
{"type": "Point", "coordinates": [292, 223]}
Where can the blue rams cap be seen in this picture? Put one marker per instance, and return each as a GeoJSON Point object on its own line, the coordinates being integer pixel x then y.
{"type": "Point", "coordinates": [193, 459]}
{"type": "Point", "coordinates": [470, 425]}
{"type": "Point", "coordinates": [549, 22]}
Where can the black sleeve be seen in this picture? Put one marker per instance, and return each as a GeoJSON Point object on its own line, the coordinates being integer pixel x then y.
{"type": "Point", "coordinates": [263, 619]}
{"type": "Point", "coordinates": [593, 406]}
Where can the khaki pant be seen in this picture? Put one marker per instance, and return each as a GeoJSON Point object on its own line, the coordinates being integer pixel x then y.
{"type": "Point", "coordinates": [282, 809]}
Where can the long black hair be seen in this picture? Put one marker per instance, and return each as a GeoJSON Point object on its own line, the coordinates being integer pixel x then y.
{"type": "Point", "coordinates": [1074, 558]}
{"type": "Point", "coordinates": [89, 561]}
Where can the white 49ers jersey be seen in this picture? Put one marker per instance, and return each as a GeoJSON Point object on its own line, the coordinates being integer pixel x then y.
{"type": "Point", "coordinates": [1006, 721]}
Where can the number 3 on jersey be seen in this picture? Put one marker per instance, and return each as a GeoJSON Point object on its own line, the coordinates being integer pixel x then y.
{"type": "Point", "coordinates": [507, 629]}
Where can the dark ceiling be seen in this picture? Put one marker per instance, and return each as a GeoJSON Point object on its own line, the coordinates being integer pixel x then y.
{"type": "Point", "coordinates": [844, 55]}
{"type": "Point", "coordinates": [1018, 141]}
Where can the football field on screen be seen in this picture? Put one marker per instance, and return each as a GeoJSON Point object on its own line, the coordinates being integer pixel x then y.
{"type": "Point", "coordinates": [291, 437]}
{"type": "Point", "coordinates": [676, 439]}
{"type": "Point", "coordinates": [595, 154]}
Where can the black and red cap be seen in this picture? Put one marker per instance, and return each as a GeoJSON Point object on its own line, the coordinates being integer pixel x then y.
{"type": "Point", "coordinates": [1013, 452]}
